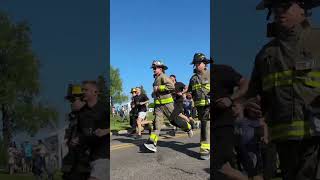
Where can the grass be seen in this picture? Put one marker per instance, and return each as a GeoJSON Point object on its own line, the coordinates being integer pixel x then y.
{"type": "Point", "coordinates": [18, 176]}
{"type": "Point", "coordinates": [117, 124]}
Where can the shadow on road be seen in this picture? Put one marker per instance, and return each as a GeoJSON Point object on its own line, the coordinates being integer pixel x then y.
{"type": "Point", "coordinates": [175, 145]}
{"type": "Point", "coordinates": [207, 170]}
{"type": "Point", "coordinates": [181, 147]}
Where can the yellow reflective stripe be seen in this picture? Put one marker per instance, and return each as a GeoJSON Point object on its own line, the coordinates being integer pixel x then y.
{"type": "Point", "coordinates": [199, 86]}
{"type": "Point", "coordinates": [276, 76]}
{"type": "Point", "coordinates": [164, 101]}
{"type": "Point", "coordinates": [154, 138]}
{"type": "Point", "coordinates": [296, 129]}
{"type": "Point", "coordinates": [313, 79]}
{"type": "Point", "coordinates": [206, 86]}
{"type": "Point", "coordinates": [277, 84]}
{"type": "Point", "coordinates": [277, 79]}
{"type": "Point", "coordinates": [188, 126]}
{"type": "Point", "coordinates": [162, 88]}
{"type": "Point", "coordinates": [286, 78]}
{"type": "Point", "coordinates": [202, 102]}
{"type": "Point", "coordinates": [315, 84]}
{"type": "Point", "coordinates": [315, 74]}
{"type": "Point", "coordinates": [294, 134]}
{"type": "Point", "coordinates": [196, 87]}
{"type": "Point", "coordinates": [204, 145]}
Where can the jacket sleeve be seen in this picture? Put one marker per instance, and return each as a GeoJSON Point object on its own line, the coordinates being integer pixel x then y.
{"type": "Point", "coordinates": [255, 84]}
{"type": "Point", "coordinates": [167, 85]}
{"type": "Point", "coordinates": [190, 84]}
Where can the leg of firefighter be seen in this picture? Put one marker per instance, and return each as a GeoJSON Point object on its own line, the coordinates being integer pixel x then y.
{"type": "Point", "coordinates": [174, 118]}
{"type": "Point", "coordinates": [204, 116]}
{"type": "Point", "coordinates": [151, 144]}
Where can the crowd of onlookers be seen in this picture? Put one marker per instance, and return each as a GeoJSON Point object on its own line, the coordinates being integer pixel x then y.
{"type": "Point", "coordinates": [29, 158]}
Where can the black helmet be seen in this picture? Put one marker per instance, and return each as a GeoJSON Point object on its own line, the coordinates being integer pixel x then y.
{"type": "Point", "coordinates": [158, 63]}
{"type": "Point", "coordinates": [306, 4]}
{"type": "Point", "coordinates": [200, 57]}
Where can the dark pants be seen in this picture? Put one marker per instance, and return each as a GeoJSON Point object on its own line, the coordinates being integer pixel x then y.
{"type": "Point", "coordinates": [75, 175]}
{"type": "Point", "coordinates": [178, 108]}
{"type": "Point", "coordinates": [247, 160]}
{"type": "Point", "coordinates": [223, 143]}
{"type": "Point", "coordinates": [133, 122]}
{"type": "Point", "coordinates": [204, 117]}
{"type": "Point", "coordinates": [299, 159]}
{"type": "Point", "coordinates": [76, 165]}
{"type": "Point", "coordinates": [269, 155]}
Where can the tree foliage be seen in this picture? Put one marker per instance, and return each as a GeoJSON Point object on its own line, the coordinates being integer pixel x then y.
{"type": "Point", "coordinates": [116, 89]}
{"type": "Point", "coordinates": [20, 85]}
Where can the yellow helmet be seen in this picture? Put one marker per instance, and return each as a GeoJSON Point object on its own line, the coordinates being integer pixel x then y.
{"type": "Point", "coordinates": [74, 91]}
{"type": "Point", "coordinates": [133, 90]}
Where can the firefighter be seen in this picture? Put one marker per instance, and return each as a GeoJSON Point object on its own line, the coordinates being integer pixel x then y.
{"type": "Point", "coordinates": [199, 86]}
{"type": "Point", "coordinates": [164, 105]}
{"type": "Point", "coordinates": [285, 85]}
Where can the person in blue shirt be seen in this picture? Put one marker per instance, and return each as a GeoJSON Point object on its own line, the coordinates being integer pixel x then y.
{"type": "Point", "coordinates": [28, 155]}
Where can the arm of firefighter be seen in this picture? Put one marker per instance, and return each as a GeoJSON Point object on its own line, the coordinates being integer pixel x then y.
{"type": "Point", "coordinates": [190, 85]}
{"type": "Point", "coordinates": [254, 90]}
{"type": "Point", "coordinates": [255, 84]}
{"type": "Point", "coordinates": [167, 85]}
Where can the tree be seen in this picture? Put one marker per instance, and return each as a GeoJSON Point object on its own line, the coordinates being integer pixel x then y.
{"type": "Point", "coordinates": [116, 91]}
{"type": "Point", "coordinates": [20, 106]}
{"type": "Point", "coordinates": [102, 84]}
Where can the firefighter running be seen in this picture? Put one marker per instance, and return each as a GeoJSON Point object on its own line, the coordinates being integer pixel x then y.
{"type": "Point", "coordinates": [164, 105]}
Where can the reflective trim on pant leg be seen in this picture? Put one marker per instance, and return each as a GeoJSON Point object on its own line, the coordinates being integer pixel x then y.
{"type": "Point", "coordinates": [204, 145]}
{"type": "Point", "coordinates": [153, 138]}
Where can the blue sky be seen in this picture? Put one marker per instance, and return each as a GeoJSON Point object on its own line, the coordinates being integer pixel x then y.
{"type": "Point", "coordinates": [70, 39]}
{"type": "Point", "coordinates": [239, 32]}
{"type": "Point", "coordinates": [143, 30]}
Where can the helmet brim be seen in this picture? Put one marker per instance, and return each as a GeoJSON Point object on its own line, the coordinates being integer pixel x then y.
{"type": "Point", "coordinates": [163, 67]}
{"type": "Point", "coordinates": [308, 4]}
{"type": "Point", "coordinates": [205, 61]}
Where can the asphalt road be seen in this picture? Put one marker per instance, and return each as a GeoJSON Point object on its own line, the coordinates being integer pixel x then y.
{"type": "Point", "coordinates": [177, 158]}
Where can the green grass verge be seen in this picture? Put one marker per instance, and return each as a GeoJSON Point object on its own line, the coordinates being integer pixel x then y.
{"type": "Point", "coordinates": [117, 124]}
{"type": "Point", "coordinates": [21, 176]}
